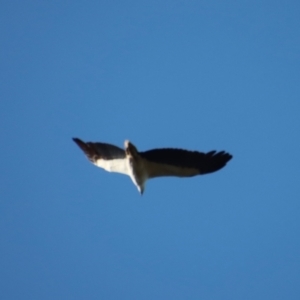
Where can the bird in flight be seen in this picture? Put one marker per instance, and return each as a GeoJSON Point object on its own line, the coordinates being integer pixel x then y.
{"type": "Point", "coordinates": [141, 166]}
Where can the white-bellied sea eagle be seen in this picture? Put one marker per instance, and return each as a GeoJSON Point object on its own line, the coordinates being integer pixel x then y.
{"type": "Point", "coordinates": [140, 166]}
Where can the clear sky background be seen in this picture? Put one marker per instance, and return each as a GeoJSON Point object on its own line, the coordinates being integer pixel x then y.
{"type": "Point", "coordinates": [200, 75]}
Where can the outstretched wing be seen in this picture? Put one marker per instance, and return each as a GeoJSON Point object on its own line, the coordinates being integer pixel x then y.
{"type": "Point", "coordinates": [106, 156]}
{"type": "Point", "coordinates": [182, 163]}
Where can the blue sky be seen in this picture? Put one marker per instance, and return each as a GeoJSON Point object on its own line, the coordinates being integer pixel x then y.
{"type": "Point", "coordinates": [200, 75]}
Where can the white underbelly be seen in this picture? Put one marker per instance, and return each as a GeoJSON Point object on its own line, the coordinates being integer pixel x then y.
{"type": "Point", "coordinates": [113, 165]}
{"type": "Point", "coordinates": [137, 173]}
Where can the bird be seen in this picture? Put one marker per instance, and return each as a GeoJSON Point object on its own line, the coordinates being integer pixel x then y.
{"type": "Point", "coordinates": [141, 166]}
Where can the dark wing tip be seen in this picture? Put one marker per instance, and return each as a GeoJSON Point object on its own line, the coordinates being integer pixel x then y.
{"type": "Point", "coordinates": [96, 151]}
{"type": "Point", "coordinates": [87, 148]}
{"type": "Point", "coordinates": [82, 145]}
{"type": "Point", "coordinates": [214, 161]}
{"type": "Point", "coordinates": [79, 142]}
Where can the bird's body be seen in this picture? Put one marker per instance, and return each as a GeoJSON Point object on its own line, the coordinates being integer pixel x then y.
{"type": "Point", "coordinates": [141, 166]}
